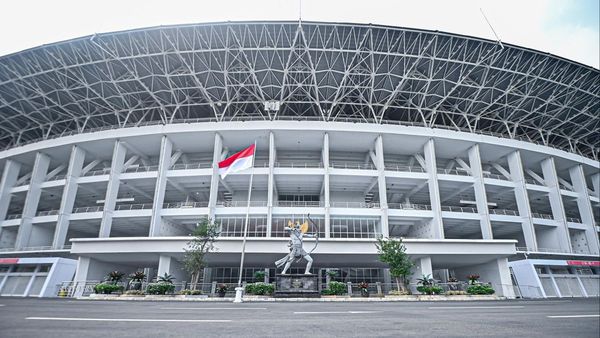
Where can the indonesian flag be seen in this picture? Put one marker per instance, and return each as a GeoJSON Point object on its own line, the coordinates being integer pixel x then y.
{"type": "Point", "coordinates": [237, 162]}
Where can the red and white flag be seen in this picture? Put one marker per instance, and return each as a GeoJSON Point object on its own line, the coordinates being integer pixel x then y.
{"type": "Point", "coordinates": [237, 162]}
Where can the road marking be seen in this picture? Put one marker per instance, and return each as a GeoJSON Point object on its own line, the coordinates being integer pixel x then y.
{"type": "Point", "coordinates": [1, 304]}
{"type": "Point", "coordinates": [213, 308]}
{"type": "Point", "coordinates": [132, 320]}
{"type": "Point", "coordinates": [332, 312]}
{"type": "Point", "coordinates": [575, 316]}
{"type": "Point", "coordinates": [474, 307]}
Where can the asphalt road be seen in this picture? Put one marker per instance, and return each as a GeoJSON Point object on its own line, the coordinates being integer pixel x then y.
{"type": "Point", "coordinates": [24, 317]}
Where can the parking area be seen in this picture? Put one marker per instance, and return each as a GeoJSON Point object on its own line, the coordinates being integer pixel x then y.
{"type": "Point", "coordinates": [26, 317]}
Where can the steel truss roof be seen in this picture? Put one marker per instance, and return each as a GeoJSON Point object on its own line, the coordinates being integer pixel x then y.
{"type": "Point", "coordinates": [322, 71]}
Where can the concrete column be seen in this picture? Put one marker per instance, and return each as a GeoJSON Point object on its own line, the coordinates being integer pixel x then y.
{"type": "Point", "coordinates": [495, 272]}
{"type": "Point", "coordinates": [10, 175]}
{"type": "Point", "coordinates": [585, 207]}
{"type": "Point", "coordinates": [422, 267]}
{"type": "Point", "coordinates": [271, 183]}
{"type": "Point", "coordinates": [38, 175]}
{"type": "Point", "coordinates": [326, 193]}
{"type": "Point", "coordinates": [517, 175]}
{"type": "Point", "coordinates": [164, 162]}
{"type": "Point", "coordinates": [112, 190]}
{"type": "Point", "coordinates": [68, 196]}
{"type": "Point", "coordinates": [556, 203]}
{"type": "Point", "coordinates": [214, 181]}
{"type": "Point", "coordinates": [380, 164]}
{"type": "Point", "coordinates": [480, 195]}
{"type": "Point", "coordinates": [170, 266]}
{"type": "Point", "coordinates": [596, 184]}
{"type": "Point", "coordinates": [437, 227]}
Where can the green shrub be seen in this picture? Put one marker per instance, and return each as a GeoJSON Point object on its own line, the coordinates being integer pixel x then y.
{"type": "Point", "coordinates": [160, 288]}
{"type": "Point", "coordinates": [338, 288]}
{"type": "Point", "coordinates": [327, 292]}
{"type": "Point", "coordinates": [134, 293]}
{"type": "Point", "coordinates": [106, 289]}
{"type": "Point", "coordinates": [190, 292]}
{"type": "Point", "coordinates": [260, 288]}
{"type": "Point", "coordinates": [481, 289]}
{"type": "Point", "coordinates": [430, 290]}
{"type": "Point", "coordinates": [455, 293]}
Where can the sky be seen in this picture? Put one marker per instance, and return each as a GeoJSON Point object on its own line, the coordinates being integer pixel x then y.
{"type": "Point", "coordinates": [567, 28]}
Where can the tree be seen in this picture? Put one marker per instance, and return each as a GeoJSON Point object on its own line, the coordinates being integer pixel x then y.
{"type": "Point", "coordinates": [393, 253]}
{"type": "Point", "coordinates": [204, 237]}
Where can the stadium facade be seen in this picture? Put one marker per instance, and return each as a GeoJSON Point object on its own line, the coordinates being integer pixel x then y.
{"type": "Point", "coordinates": [483, 157]}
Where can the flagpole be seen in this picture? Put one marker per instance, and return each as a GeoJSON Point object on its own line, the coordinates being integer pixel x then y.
{"type": "Point", "coordinates": [238, 294]}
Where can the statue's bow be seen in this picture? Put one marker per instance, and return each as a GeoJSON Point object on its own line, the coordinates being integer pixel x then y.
{"type": "Point", "coordinates": [316, 230]}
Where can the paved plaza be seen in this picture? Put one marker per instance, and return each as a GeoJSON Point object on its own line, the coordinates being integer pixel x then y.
{"type": "Point", "coordinates": [22, 317]}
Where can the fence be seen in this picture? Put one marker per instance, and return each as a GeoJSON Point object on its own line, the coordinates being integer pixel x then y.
{"type": "Point", "coordinates": [459, 209]}
{"type": "Point", "coordinates": [352, 165]}
{"type": "Point", "coordinates": [408, 206]}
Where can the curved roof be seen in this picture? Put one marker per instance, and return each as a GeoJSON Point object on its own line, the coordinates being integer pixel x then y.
{"type": "Point", "coordinates": [323, 71]}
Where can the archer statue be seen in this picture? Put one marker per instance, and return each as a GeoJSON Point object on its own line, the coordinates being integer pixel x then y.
{"type": "Point", "coordinates": [297, 252]}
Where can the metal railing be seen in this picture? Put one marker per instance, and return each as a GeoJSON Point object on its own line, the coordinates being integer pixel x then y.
{"type": "Point", "coordinates": [177, 205]}
{"type": "Point", "coordinates": [573, 219]}
{"type": "Point", "coordinates": [104, 171]}
{"type": "Point", "coordinates": [459, 209]}
{"type": "Point", "coordinates": [47, 213]}
{"type": "Point", "coordinates": [138, 206]}
{"type": "Point", "coordinates": [496, 176]}
{"type": "Point", "coordinates": [184, 166]}
{"type": "Point", "coordinates": [351, 165]}
{"type": "Point", "coordinates": [354, 205]}
{"type": "Point", "coordinates": [57, 177]}
{"type": "Point", "coordinates": [290, 164]}
{"type": "Point", "coordinates": [37, 248]}
{"type": "Point", "coordinates": [88, 209]}
{"type": "Point", "coordinates": [453, 172]}
{"type": "Point", "coordinates": [405, 168]}
{"type": "Point", "coordinates": [140, 169]}
{"type": "Point", "coordinates": [241, 203]}
{"type": "Point", "coordinates": [299, 203]}
{"type": "Point", "coordinates": [532, 181]}
{"type": "Point", "coordinates": [504, 212]}
{"type": "Point", "coordinates": [408, 206]}
{"type": "Point", "coordinates": [14, 216]}
{"type": "Point", "coordinates": [543, 216]}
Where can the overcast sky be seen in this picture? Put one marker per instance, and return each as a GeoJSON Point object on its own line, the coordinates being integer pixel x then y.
{"type": "Point", "coordinates": [568, 28]}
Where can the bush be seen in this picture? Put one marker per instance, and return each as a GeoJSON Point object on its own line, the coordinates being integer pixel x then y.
{"type": "Point", "coordinates": [327, 292]}
{"type": "Point", "coordinates": [338, 288]}
{"type": "Point", "coordinates": [190, 292]}
{"type": "Point", "coordinates": [455, 293]}
{"type": "Point", "coordinates": [106, 289]}
{"type": "Point", "coordinates": [160, 288]}
{"type": "Point", "coordinates": [430, 290]}
{"type": "Point", "coordinates": [260, 288]}
{"type": "Point", "coordinates": [481, 289]}
{"type": "Point", "coordinates": [134, 293]}
{"type": "Point", "coordinates": [398, 293]}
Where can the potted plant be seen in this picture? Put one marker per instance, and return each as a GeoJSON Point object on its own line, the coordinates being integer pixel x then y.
{"type": "Point", "coordinates": [364, 289]}
{"type": "Point", "coordinates": [166, 278]}
{"type": "Point", "coordinates": [222, 289]}
{"type": "Point", "coordinates": [473, 278]}
{"type": "Point", "coordinates": [135, 280]}
{"type": "Point", "coordinates": [114, 277]}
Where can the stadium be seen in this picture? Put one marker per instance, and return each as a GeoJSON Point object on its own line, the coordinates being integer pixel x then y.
{"type": "Point", "coordinates": [482, 156]}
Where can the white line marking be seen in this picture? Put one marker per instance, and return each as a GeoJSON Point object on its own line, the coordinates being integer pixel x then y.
{"type": "Point", "coordinates": [474, 307]}
{"type": "Point", "coordinates": [575, 316]}
{"type": "Point", "coordinates": [1, 304]}
{"type": "Point", "coordinates": [132, 320]}
{"type": "Point", "coordinates": [334, 312]}
{"type": "Point", "coordinates": [213, 308]}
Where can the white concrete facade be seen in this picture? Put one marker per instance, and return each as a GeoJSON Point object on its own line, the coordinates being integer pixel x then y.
{"type": "Point", "coordinates": [464, 203]}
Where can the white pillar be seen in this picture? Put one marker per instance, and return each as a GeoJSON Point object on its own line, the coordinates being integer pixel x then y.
{"type": "Point", "coordinates": [170, 266]}
{"type": "Point", "coordinates": [422, 267]}
{"type": "Point", "coordinates": [380, 164]}
{"type": "Point", "coordinates": [437, 227]}
{"type": "Point", "coordinates": [68, 197]}
{"type": "Point", "coordinates": [480, 195]}
{"type": "Point", "coordinates": [112, 190]}
{"type": "Point", "coordinates": [596, 184]}
{"type": "Point", "coordinates": [164, 163]}
{"type": "Point", "coordinates": [83, 266]}
{"type": "Point", "coordinates": [585, 207]}
{"type": "Point", "coordinates": [556, 203]}
{"type": "Point", "coordinates": [271, 183]}
{"type": "Point", "coordinates": [10, 175]}
{"type": "Point", "coordinates": [517, 175]}
{"type": "Point", "coordinates": [214, 181]}
{"type": "Point", "coordinates": [38, 175]}
{"type": "Point", "coordinates": [326, 192]}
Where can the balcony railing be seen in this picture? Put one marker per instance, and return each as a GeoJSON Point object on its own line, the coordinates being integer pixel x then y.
{"type": "Point", "coordinates": [354, 205]}
{"type": "Point", "coordinates": [290, 164]}
{"type": "Point", "coordinates": [408, 206]}
{"type": "Point", "coordinates": [36, 248]}
{"type": "Point", "coordinates": [180, 205]}
{"type": "Point", "coordinates": [532, 181]}
{"type": "Point", "coordinates": [14, 216]}
{"type": "Point", "coordinates": [459, 209]}
{"type": "Point", "coordinates": [88, 209]}
{"type": "Point", "coordinates": [495, 176]}
{"type": "Point", "coordinates": [140, 169]}
{"type": "Point", "coordinates": [104, 171]}
{"type": "Point", "coordinates": [241, 203]}
{"type": "Point", "coordinates": [453, 172]}
{"type": "Point", "coordinates": [504, 212]}
{"type": "Point", "coordinates": [299, 203]}
{"type": "Point", "coordinates": [352, 165]}
{"type": "Point", "coordinates": [573, 219]}
{"type": "Point", "coordinates": [405, 168]}
{"type": "Point", "coordinates": [543, 216]}
{"type": "Point", "coordinates": [184, 166]}
{"type": "Point", "coordinates": [139, 206]}
{"type": "Point", "coordinates": [47, 213]}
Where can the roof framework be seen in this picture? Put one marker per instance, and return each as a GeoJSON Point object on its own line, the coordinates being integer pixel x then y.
{"type": "Point", "coordinates": [320, 71]}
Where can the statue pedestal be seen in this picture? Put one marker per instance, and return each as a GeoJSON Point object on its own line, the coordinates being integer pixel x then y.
{"type": "Point", "coordinates": [297, 285]}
